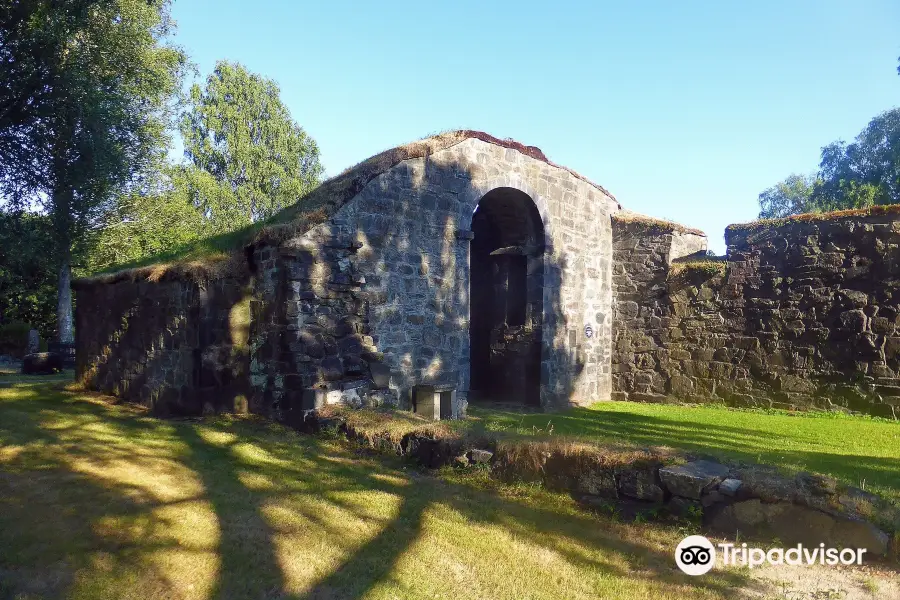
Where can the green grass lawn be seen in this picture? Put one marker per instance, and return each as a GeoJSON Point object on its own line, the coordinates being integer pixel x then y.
{"type": "Point", "coordinates": [859, 451]}
{"type": "Point", "coordinates": [102, 501]}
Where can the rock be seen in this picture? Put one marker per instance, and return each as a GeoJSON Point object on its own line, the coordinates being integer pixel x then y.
{"type": "Point", "coordinates": [691, 479]}
{"type": "Point", "coordinates": [860, 534]}
{"type": "Point", "coordinates": [34, 342]}
{"type": "Point", "coordinates": [430, 452]}
{"type": "Point", "coordinates": [381, 374]}
{"type": "Point", "coordinates": [793, 524]}
{"type": "Point", "coordinates": [681, 386]}
{"type": "Point", "coordinates": [729, 487]}
{"type": "Point", "coordinates": [351, 398]}
{"type": "Point", "coordinates": [684, 507]}
{"type": "Point", "coordinates": [597, 482]}
{"type": "Point", "coordinates": [376, 398]}
{"type": "Point", "coordinates": [854, 298]}
{"type": "Point", "coordinates": [42, 363]}
{"type": "Point", "coordinates": [480, 457]}
{"type": "Point", "coordinates": [312, 399]}
{"type": "Point", "coordinates": [354, 365]}
{"type": "Point", "coordinates": [641, 484]}
{"type": "Point", "coordinates": [766, 484]}
{"type": "Point", "coordinates": [711, 498]}
{"type": "Point", "coordinates": [331, 369]}
{"type": "Point", "coordinates": [816, 485]}
{"type": "Point", "coordinates": [853, 320]}
{"type": "Point", "coordinates": [742, 516]}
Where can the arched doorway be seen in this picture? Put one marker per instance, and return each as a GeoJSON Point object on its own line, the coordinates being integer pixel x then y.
{"type": "Point", "coordinates": [506, 298]}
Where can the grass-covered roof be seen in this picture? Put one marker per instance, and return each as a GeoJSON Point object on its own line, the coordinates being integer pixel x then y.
{"type": "Point", "coordinates": [223, 255]}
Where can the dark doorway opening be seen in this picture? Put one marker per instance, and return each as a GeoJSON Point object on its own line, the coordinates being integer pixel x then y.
{"type": "Point", "coordinates": [506, 299]}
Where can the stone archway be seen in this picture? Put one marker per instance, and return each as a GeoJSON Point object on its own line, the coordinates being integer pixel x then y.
{"type": "Point", "coordinates": [506, 298]}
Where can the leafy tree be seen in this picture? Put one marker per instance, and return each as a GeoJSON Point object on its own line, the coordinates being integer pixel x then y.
{"type": "Point", "coordinates": [146, 222]}
{"type": "Point", "coordinates": [105, 79]}
{"type": "Point", "coordinates": [788, 197]}
{"type": "Point", "coordinates": [250, 158]}
{"type": "Point", "coordinates": [856, 175]}
{"type": "Point", "coordinates": [866, 171]}
{"type": "Point", "coordinates": [27, 271]}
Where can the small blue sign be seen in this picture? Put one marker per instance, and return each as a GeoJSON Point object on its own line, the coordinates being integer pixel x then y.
{"type": "Point", "coordinates": [588, 331]}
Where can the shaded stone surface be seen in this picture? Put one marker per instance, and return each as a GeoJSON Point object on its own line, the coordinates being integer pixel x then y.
{"type": "Point", "coordinates": [793, 524]}
{"type": "Point", "coordinates": [42, 363]}
{"type": "Point", "coordinates": [692, 479]}
{"type": "Point", "coordinates": [641, 484]}
{"type": "Point", "coordinates": [801, 316]}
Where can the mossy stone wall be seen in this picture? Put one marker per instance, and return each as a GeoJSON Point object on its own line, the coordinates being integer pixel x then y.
{"type": "Point", "coordinates": [176, 346]}
{"type": "Point", "coordinates": [805, 315]}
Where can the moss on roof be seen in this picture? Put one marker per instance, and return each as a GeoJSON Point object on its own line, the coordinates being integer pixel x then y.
{"type": "Point", "coordinates": [223, 255]}
{"type": "Point", "coordinates": [887, 209]}
{"type": "Point", "coordinates": [657, 225]}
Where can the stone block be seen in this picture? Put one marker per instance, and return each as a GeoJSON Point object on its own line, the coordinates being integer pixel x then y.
{"type": "Point", "coordinates": [480, 457]}
{"type": "Point", "coordinates": [331, 369]}
{"type": "Point", "coordinates": [42, 363]}
{"type": "Point", "coordinates": [730, 487]}
{"type": "Point", "coordinates": [692, 479]}
{"type": "Point", "coordinates": [641, 483]}
{"type": "Point", "coordinates": [380, 373]}
{"type": "Point", "coordinates": [312, 399]}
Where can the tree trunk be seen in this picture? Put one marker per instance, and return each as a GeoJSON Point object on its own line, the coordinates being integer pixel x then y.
{"type": "Point", "coordinates": [64, 322]}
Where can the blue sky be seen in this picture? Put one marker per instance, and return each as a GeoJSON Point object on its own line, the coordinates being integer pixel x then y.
{"type": "Point", "coordinates": [683, 110]}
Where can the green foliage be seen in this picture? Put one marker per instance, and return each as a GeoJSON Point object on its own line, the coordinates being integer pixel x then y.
{"type": "Point", "coordinates": [789, 197]}
{"type": "Point", "coordinates": [27, 271]}
{"type": "Point", "coordinates": [250, 158]}
{"type": "Point", "coordinates": [106, 76]}
{"type": "Point", "coordinates": [862, 174]}
{"type": "Point", "coordinates": [867, 171]}
{"type": "Point", "coordinates": [147, 223]}
{"type": "Point", "coordinates": [14, 338]}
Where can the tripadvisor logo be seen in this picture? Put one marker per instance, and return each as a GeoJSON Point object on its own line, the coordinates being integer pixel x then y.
{"type": "Point", "coordinates": [696, 555]}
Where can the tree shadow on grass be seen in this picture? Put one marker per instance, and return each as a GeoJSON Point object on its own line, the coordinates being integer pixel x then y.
{"type": "Point", "coordinates": [241, 508]}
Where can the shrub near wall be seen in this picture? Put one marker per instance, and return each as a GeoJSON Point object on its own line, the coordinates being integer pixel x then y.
{"type": "Point", "coordinates": [805, 314]}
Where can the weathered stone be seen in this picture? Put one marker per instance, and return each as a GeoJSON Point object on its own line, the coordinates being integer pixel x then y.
{"type": "Point", "coordinates": [730, 487]}
{"type": "Point", "coordinates": [684, 507]}
{"type": "Point", "coordinates": [34, 342]}
{"type": "Point", "coordinates": [711, 498]}
{"type": "Point", "coordinates": [480, 457]}
{"type": "Point", "coordinates": [331, 369]}
{"type": "Point", "coordinates": [793, 524]}
{"type": "Point", "coordinates": [42, 363]}
{"type": "Point", "coordinates": [380, 373]}
{"type": "Point", "coordinates": [692, 479]}
{"type": "Point", "coordinates": [640, 483]}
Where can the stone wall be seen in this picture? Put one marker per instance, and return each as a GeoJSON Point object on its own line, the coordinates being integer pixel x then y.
{"type": "Point", "coordinates": [803, 314]}
{"type": "Point", "coordinates": [176, 346]}
{"type": "Point", "coordinates": [413, 226]}
{"type": "Point", "coordinates": [309, 338]}
{"type": "Point", "coordinates": [375, 301]}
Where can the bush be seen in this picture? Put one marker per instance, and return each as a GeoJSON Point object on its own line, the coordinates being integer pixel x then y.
{"type": "Point", "coordinates": [14, 338]}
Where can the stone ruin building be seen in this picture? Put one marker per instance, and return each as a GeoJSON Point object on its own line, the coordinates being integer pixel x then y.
{"type": "Point", "coordinates": [463, 268]}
